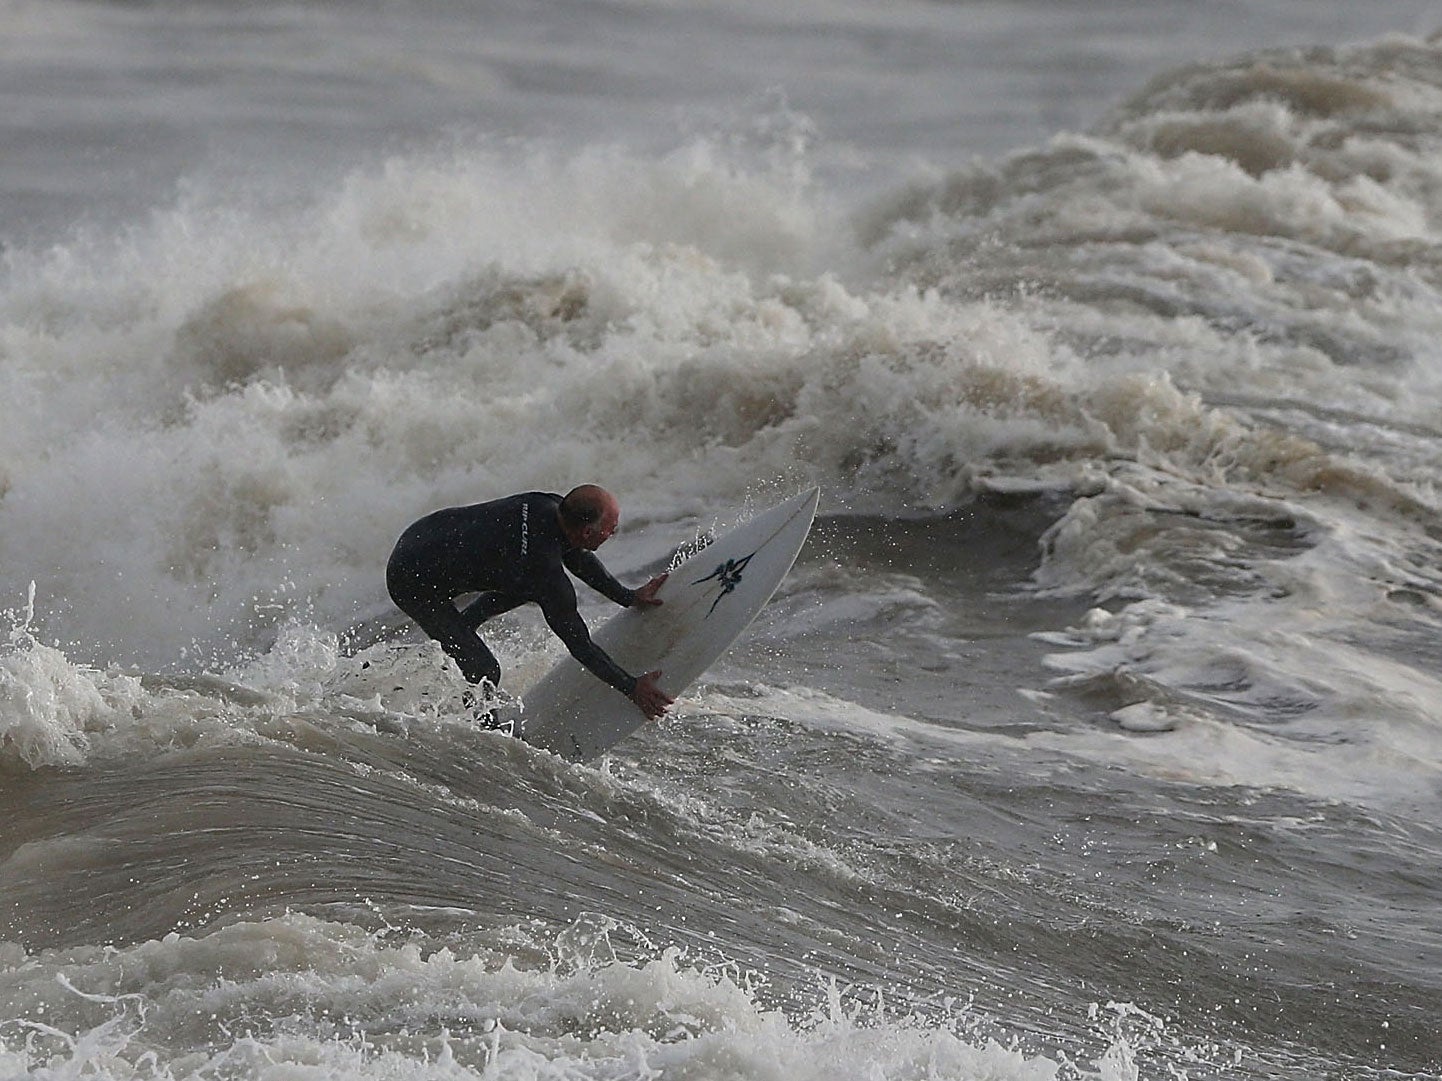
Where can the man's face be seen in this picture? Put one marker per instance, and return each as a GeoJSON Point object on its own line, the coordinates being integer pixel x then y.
{"type": "Point", "coordinates": [597, 534]}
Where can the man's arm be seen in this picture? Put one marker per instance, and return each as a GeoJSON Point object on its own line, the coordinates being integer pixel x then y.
{"type": "Point", "coordinates": [589, 569]}
{"type": "Point", "coordinates": [559, 608]}
{"type": "Point", "coordinates": [558, 605]}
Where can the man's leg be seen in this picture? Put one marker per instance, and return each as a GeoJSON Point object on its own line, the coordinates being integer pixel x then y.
{"type": "Point", "coordinates": [438, 617]}
{"type": "Point", "coordinates": [486, 606]}
{"type": "Point", "coordinates": [461, 643]}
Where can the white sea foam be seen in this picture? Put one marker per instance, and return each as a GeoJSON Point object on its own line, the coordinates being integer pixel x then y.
{"type": "Point", "coordinates": [283, 395]}
{"type": "Point", "coordinates": [297, 994]}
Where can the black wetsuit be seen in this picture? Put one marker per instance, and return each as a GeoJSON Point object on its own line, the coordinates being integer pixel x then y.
{"type": "Point", "coordinates": [511, 551]}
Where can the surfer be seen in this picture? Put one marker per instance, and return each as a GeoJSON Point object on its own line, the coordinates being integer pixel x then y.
{"type": "Point", "coordinates": [515, 551]}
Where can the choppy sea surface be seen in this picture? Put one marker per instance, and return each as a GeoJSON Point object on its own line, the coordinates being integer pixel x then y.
{"type": "Point", "coordinates": [1097, 733]}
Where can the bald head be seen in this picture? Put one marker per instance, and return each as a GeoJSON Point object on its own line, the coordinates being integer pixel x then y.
{"type": "Point", "coordinates": [589, 515]}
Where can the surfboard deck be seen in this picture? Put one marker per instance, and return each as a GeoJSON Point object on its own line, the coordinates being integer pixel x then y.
{"type": "Point", "coordinates": [707, 602]}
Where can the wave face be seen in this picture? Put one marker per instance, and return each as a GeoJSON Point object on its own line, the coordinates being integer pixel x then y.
{"type": "Point", "coordinates": [1095, 734]}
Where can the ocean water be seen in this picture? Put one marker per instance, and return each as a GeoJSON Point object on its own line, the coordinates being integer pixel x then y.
{"type": "Point", "coordinates": [1097, 733]}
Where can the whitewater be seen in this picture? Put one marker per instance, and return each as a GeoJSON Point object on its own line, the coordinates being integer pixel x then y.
{"type": "Point", "coordinates": [1096, 733]}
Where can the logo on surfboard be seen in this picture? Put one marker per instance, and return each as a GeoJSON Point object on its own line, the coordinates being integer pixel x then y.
{"type": "Point", "coordinates": [729, 575]}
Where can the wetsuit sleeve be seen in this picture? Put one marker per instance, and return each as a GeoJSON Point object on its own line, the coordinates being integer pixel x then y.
{"type": "Point", "coordinates": [585, 566]}
{"type": "Point", "coordinates": [558, 605]}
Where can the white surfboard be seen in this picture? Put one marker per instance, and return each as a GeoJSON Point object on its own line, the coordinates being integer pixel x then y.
{"type": "Point", "coordinates": [706, 603]}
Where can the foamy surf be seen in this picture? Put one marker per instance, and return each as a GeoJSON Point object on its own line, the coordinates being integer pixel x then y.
{"type": "Point", "coordinates": [1095, 733]}
{"type": "Point", "coordinates": [297, 994]}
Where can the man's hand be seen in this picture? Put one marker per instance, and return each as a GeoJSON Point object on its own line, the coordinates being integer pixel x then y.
{"type": "Point", "coordinates": [649, 698]}
{"type": "Point", "coordinates": [646, 595]}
